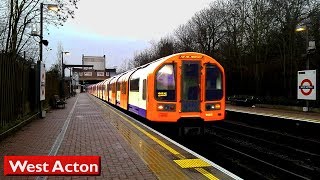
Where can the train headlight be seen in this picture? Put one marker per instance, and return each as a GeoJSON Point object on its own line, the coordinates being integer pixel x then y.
{"type": "Point", "coordinates": [160, 107]}
{"type": "Point", "coordinates": [213, 106]}
{"type": "Point", "coordinates": [166, 107]}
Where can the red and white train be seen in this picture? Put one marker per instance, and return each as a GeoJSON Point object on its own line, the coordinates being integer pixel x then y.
{"type": "Point", "coordinates": [180, 87]}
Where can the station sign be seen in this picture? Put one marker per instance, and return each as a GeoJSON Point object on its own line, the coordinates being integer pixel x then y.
{"type": "Point", "coordinates": [307, 85]}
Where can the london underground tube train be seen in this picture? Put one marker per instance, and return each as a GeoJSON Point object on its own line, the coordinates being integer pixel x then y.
{"type": "Point", "coordinates": [185, 87]}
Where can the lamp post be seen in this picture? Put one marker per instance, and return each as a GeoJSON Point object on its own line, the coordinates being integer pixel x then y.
{"type": "Point", "coordinates": [300, 29]}
{"type": "Point", "coordinates": [52, 7]}
{"type": "Point", "coordinates": [62, 73]}
{"type": "Point", "coordinates": [45, 42]}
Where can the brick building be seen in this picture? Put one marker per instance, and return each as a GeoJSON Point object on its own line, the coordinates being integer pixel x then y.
{"type": "Point", "coordinates": [83, 76]}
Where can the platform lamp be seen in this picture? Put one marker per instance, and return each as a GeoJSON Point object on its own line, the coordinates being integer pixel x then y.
{"type": "Point", "coordinates": [52, 7]}
{"type": "Point", "coordinates": [301, 29]}
{"type": "Point", "coordinates": [62, 71]}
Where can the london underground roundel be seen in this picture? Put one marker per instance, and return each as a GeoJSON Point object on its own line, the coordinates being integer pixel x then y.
{"type": "Point", "coordinates": [307, 85]}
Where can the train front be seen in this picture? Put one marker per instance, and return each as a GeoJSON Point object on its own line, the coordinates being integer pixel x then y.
{"type": "Point", "coordinates": [187, 87]}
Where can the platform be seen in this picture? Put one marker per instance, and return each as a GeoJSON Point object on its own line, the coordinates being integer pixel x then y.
{"type": "Point", "coordinates": [128, 149]}
{"type": "Point", "coordinates": [278, 113]}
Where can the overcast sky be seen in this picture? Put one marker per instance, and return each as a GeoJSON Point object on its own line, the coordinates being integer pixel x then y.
{"type": "Point", "coordinates": [117, 28]}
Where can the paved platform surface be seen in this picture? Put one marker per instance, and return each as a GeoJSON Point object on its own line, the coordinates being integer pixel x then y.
{"type": "Point", "coordinates": [280, 113]}
{"type": "Point", "coordinates": [88, 134]}
{"type": "Point", "coordinates": [128, 150]}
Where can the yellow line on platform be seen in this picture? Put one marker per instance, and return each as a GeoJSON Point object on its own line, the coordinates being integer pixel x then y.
{"type": "Point", "coordinates": [195, 163]}
{"type": "Point", "coordinates": [191, 163]}
{"type": "Point", "coordinates": [206, 173]}
{"type": "Point", "coordinates": [200, 162]}
{"type": "Point", "coordinates": [149, 135]}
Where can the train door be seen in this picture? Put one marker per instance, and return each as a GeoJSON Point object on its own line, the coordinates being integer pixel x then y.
{"type": "Point", "coordinates": [190, 86]}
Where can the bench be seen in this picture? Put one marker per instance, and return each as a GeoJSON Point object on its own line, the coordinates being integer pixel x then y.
{"type": "Point", "coordinates": [57, 102]}
{"type": "Point", "coordinates": [243, 100]}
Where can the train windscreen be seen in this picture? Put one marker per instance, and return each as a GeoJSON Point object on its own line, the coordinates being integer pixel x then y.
{"type": "Point", "coordinates": [165, 83]}
{"type": "Point", "coordinates": [213, 83]}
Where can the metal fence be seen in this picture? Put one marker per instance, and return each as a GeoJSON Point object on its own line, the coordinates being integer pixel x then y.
{"type": "Point", "coordinates": [53, 87]}
{"type": "Point", "coordinates": [17, 90]}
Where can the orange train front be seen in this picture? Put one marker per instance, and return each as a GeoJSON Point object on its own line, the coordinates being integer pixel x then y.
{"type": "Point", "coordinates": [184, 86]}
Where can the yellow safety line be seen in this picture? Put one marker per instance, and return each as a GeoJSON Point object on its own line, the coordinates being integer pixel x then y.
{"type": "Point", "coordinates": [191, 163]}
{"type": "Point", "coordinates": [201, 170]}
{"type": "Point", "coordinates": [206, 173]}
{"type": "Point", "coordinates": [148, 134]}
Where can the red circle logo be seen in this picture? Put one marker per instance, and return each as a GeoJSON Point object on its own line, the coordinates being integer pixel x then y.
{"type": "Point", "coordinates": [306, 87]}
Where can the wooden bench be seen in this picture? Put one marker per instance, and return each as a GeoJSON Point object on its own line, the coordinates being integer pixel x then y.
{"type": "Point", "coordinates": [243, 100]}
{"type": "Point", "coordinates": [57, 102]}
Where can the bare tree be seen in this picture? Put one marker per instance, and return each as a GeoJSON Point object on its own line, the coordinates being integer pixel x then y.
{"type": "Point", "coordinates": [125, 66]}
{"type": "Point", "coordinates": [18, 20]}
{"type": "Point", "coordinates": [59, 57]}
{"type": "Point", "coordinates": [185, 40]}
{"type": "Point", "coordinates": [255, 41]}
{"type": "Point", "coordinates": [164, 47]}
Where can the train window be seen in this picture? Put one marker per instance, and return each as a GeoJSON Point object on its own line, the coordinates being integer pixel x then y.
{"type": "Point", "coordinates": [213, 83]}
{"type": "Point", "coordinates": [144, 91]}
{"type": "Point", "coordinates": [166, 83]}
{"type": "Point", "coordinates": [123, 87]}
{"type": "Point", "coordinates": [190, 84]}
{"type": "Point", "coordinates": [118, 86]}
{"type": "Point", "coordinates": [134, 84]}
{"type": "Point", "coordinates": [113, 86]}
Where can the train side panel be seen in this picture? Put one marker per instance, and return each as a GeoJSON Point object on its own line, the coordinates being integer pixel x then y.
{"type": "Point", "coordinates": [105, 92]}
{"type": "Point", "coordinates": [111, 92]}
{"type": "Point", "coordinates": [124, 89]}
{"type": "Point", "coordinates": [137, 102]}
{"type": "Point", "coordinates": [98, 90]}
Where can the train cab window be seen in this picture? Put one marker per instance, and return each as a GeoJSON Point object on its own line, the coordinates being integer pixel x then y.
{"type": "Point", "coordinates": [190, 84]}
{"type": "Point", "coordinates": [213, 83]}
{"type": "Point", "coordinates": [166, 83]}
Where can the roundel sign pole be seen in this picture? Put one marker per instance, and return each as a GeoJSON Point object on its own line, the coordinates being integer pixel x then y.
{"type": "Point", "coordinates": [307, 86]}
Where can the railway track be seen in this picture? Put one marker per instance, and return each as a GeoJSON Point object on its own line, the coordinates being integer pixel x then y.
{"type": "Point", "coordinates": [252, 151]}
{"type": "Point", "coordinates": [266, 157]}
{"type": "Point", "coordinates": [288, 141]}
{"type": "Point", "coordinates": [260, 153]}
